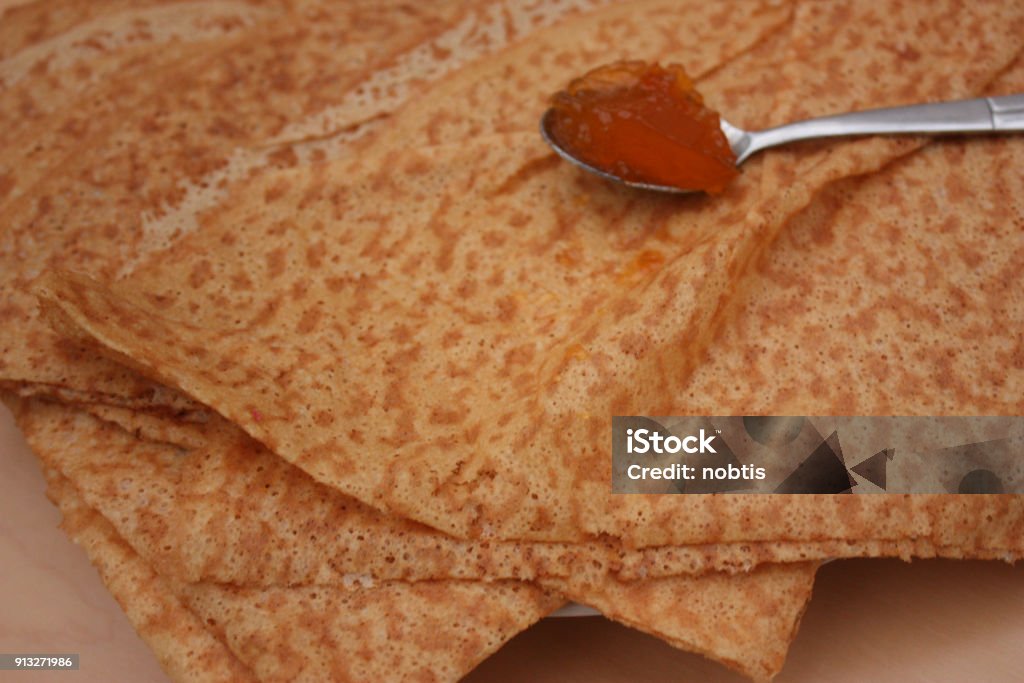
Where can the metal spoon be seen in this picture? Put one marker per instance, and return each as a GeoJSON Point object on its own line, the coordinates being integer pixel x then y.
{"type": "Point", "coordinates": [982, 115]}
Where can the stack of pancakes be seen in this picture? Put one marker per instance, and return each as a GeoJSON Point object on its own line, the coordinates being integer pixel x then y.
{"type": "Point", "coordinates": [319, 345]}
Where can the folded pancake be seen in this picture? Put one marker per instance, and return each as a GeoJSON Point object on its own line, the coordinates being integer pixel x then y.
{"type": "Point", "coordinates": [744, 621]}
{"type": "Point", "coordinates": [169, 204]}
{"type": "Point", "coordinates": [126, 126]}
{"type": "Point", "coordinates": [103, 143]}
{"type": "Point", "coordinates": [510, 315]}
{"type": "Point", "coordinates": [181, 640]}
{"type": "Point", "coordinates": [203, 632]}
{"type": "Point", "coordinates": [87, 247]}
{"type": "Point", "coordinates": [228, 511]}
{"type": "Point", "coordinates": [223, 509]}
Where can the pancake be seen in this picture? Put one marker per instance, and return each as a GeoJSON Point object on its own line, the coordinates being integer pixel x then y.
{"type": "Point", "coordinates": [203, 632]}
{"type": "Point", "coordinates": [81, 377]}
{"type": "Point", "coordinates": [126, 392]}
{"type": "Point", "coordinates": [155, 121]}
{"type": "Point", "coordinates": [658, 242]}
{"type": "Point", "coordinates": [174, 113]}
{"type": "Point", "coordinates": [475, 427]}
{"type": "Point", "coordinates": [745, 622]}
{"type": "Point", "coordinates": [899, 290]}
{"type": "Point", "coordinates": [181, 641]}
{"type": "Point", "coordinates": [225, 510]}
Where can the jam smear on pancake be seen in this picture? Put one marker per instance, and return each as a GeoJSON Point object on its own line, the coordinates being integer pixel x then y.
{"type": "Point", "coordinates": [643, 123]}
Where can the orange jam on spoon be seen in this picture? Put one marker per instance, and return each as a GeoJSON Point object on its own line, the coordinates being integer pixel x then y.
{"type": "Point", "coordinates": [643, 123]}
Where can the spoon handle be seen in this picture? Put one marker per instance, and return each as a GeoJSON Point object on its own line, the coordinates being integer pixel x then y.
{"type": "Point", "coordinates": [982, 115]}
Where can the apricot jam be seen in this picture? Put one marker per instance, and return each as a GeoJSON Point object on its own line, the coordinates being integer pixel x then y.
{"type": "Point", "coordinates": [643, 123]}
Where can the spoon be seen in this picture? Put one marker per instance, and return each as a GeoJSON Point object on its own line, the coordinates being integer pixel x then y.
{"type": "Point", "coordinates": [981, 115]}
